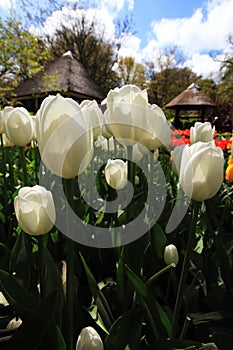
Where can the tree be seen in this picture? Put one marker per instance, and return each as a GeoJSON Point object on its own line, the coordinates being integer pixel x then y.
{"type": "Point", "coordinates": [170, 79]}
{"type": "Point", "coordinates": [130, 72]}
{"type": "Point", "coordinates": [89, 46]}
{"type": "Point", "coordinates": [22, 55]}
{"type": "Point", "coordinates": [168, 83]}
{"type": "Point", "coordinates": [224, 89]}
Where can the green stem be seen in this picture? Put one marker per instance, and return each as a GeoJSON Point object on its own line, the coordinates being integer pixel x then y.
{"type": "Point", "coordinates": [70, 292]}
{"type": "Point", "coordinates": [185, 268]}
{"type": "Point", "coordinates": [151, 183]}
{"type": "Point", "coordinates": [131, 176]}
{"type": "Point", "coordinates": [5, 183]}
{"type": "Point", "coordinates": [41, 266]}
{"type": "Point", "coordinates": [115, 147]}
{"type": "Point", "coordinates": [24, 165]}
{"type": "Point", "coordinates": [91, 193]}
{"type": "Point", "coordinates": [70, 245]}
{"type": "Point", "coordinates": [185, 327]}
{"type": "Point", "coordinates": [36, 159]}
{"type": "Point", "coordinates": [160, 272]}
{"type": "Point", "coordinates": [3, 156]}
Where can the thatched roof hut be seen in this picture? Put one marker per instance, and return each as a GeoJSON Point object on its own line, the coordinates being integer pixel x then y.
{"type": "Point", "coordinates": [65, 76]}
{"type": "Point", "coordinates": [191, 99]}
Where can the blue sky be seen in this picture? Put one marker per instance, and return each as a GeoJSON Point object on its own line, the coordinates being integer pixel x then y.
{"type": "Point", "coordinates": [195, 27]}
{"type": "Point", "coordinates": [149, 10]}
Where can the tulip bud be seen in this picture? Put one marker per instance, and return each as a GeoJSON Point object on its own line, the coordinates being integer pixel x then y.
{"type": "Point", "coordinates": [201, 170]}
{"type": "Point", "coordinates": [14, 323]}
{"type": "Point", "coordinates": [89, 339]}
{"type": "Point", "coordinates": [201, 132]}
{"type": "Point", "coordinates": [34, 209]}
{"type": "Point", "coordinates": [171, 254]}
{"type": "Point", "coordinates": [17, 124]}
{"type": "Point", "coordinates": [116, 173]}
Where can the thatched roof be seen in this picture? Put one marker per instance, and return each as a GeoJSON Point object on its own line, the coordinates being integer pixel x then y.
{"type": "Point", "coordinates": [65, 75]}
{"type": "Point", "coordinates": [190, 99]}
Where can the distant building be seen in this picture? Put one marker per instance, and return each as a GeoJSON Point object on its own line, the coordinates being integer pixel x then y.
{"type": "Point", "coordinates": [65, 76]}
{"type": "Point", "coordinates": [191, 99]}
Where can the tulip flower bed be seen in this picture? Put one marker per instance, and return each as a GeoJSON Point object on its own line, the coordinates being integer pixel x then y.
{"type": "Point", "coordinates": [222, 140]}
{"type": "Point", "coordinates": [116, 230]}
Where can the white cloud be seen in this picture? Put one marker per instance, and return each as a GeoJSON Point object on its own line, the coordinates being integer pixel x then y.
{"type": "Point", "coordinates": [130, 46]}
{"type": "Point", "coordinates": [200, 31]}
{"type": "Point", "coordinates": [5, 4]}
{"type": "Point", "coordinates": [203, 64]}
{"type": "Point", "coordinates": [206, 30]}
{"type": "Point", "coordinates": [66, 16]}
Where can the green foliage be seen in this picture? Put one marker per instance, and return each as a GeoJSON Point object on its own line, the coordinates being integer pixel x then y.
{"type": "Point", "coordinates": [168, 83]}
{"type": "Point", "coordinates": [22, 55]}
{"type": "Point", "coordinates": [131, 72]}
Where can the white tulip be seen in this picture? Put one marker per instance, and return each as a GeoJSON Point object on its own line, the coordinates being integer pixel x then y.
{"type": "Point", "coordinates": [138, 152]}
{"type": "Point", "coordinates": [33, 127]}
{"type": "Point", "coordinates": [156, 131]}
{"type": "Point", "coordinates": [1, 123]}
{"type": "Point", "coordinates": [89, 339]}
{"type": "Point", "coordinates": [64, 136]}
{"type": "Point", "coordinates": [17, 125]}
{"type": "Point", "coordinates": [106, 127]}
{"type": "Point", "coordinates": [34, 209]}
{"type": "Point", "coordinates": [116, 173]}
{"type": "Point", "coordinates": [176, 158]}
{"type": "Point", "coordinates": [201, 132]}
{"type": "Point", "coordinates": [91, 110]}
{"type": "Point", "coordinates": [6, 142]}
{"type": "Point", "coordinates": [105, 144]}
{"type": "Point", "coordinates": [171, 254]}
{"type": "Point", "coordinates": [133, 120]}
{"type": "Point", "coordinates": [201, 170]}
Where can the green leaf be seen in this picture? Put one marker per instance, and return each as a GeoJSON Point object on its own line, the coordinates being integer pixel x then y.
{"type": "Point", "coordinates": [158, 318]}
{"type": "Point", "coordinates": [138, 284]}
{"type": "Point", "coordinates": [126, 331]}
{"type": "Point", "coordinates": [121, 278]}
{"type": "Point", "coordinates": [101, 302]}
{"type": "Point", "coordinates": [53, 281]}
{"type": "Point", "coordinates": [168, 344]}
{"type": "Point", "coordinates": [223, 261]}
{"type": "Point", "coordinates": [93, 311]}
{"type": "Point", "coordinates": [222, 337]}
{"type": "Point", "coordinates": [21, 259]}
{"type": "Point", "coordinates": [53, 338]}
{"type": "Point", "coordinates": [158, 240]}
{"type": "Point", "coordinates": [32, 330]}
{"type": "Point", "coordinates": [19, 298]}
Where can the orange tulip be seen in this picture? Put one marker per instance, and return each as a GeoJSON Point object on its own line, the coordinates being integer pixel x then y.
{"type": "Point", "coordinates": [229, 170]}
